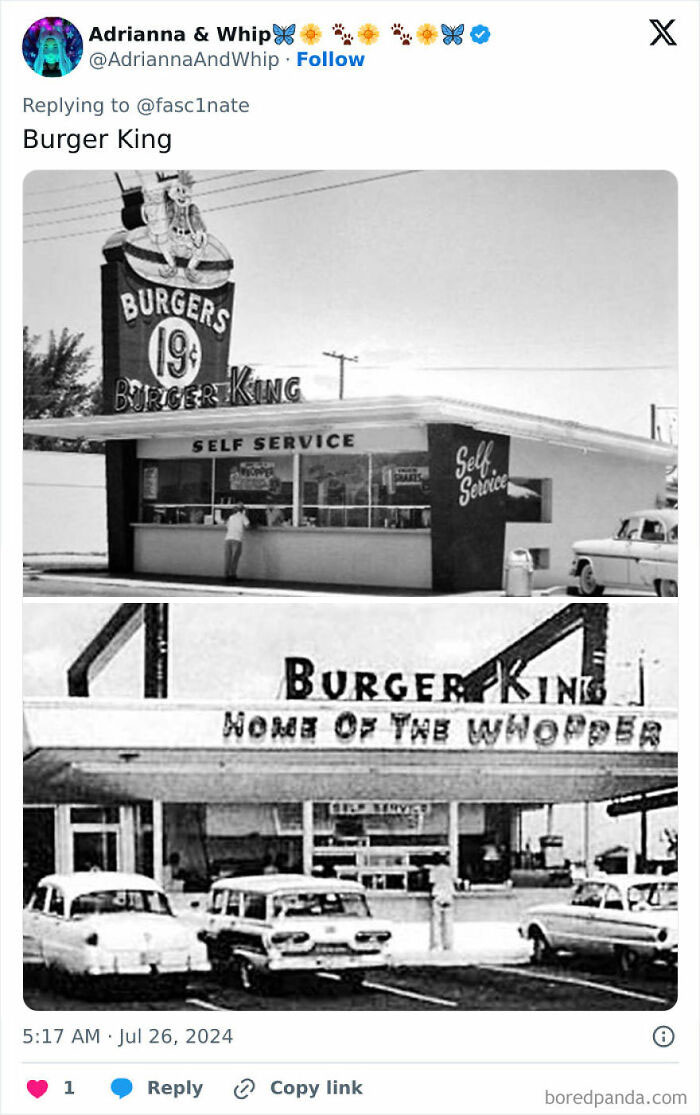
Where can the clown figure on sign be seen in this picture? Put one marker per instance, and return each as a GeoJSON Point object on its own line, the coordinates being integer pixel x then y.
{"type": "Point", "coordinates": [175, 225]}
{"type": "Point", "coordinates": [188, 234]}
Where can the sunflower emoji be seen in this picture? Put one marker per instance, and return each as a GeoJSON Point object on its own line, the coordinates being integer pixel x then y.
{"type": "Point", "coordinates": [311, 33]}
{"type": "Point", "coordinates": [368, 34]}
{"type": "Point", "coordinates": [426, 34]}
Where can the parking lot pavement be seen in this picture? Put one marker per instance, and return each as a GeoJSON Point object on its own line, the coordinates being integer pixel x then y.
{"type": "Point", "coordinates": [58, 583]}
{"type": "Point", "coordinates": [563, 985]}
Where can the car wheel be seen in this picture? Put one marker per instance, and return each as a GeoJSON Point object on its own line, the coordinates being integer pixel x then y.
{"type": "Point", "coordinates": [587, 584]}
{"type": "Point", "coordinates": [627, 961]}
{"type": "Point", "coordinates": [667, 588]}
{"type": "Point", "coordinates": [541, 949]}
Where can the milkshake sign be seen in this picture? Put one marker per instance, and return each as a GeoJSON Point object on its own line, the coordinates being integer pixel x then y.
{"type": "Point", "coordinates": [476, 475]}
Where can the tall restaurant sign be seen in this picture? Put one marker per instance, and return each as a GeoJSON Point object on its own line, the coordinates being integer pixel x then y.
{"type": "Point", "coordinates": [469, 489]}
{"type": "Point", "coordinates": [166, 306]}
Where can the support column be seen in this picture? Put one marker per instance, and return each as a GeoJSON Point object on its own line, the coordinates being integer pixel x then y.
{"type": "Point", "coordinates": [307, 836]}
{"type": "Point", "coordinates": [63, 841]}
{"type": "Point", "coordinates": [643, 834]}
{"type": "Point", "coordinates": [549, 823]}
{"type": "Point", "coordinates": [127, 838]}
{"type": "Point", "coordinates": [297, 505]}
{"type": "Point", "coordinates": [453, 835]}
{"type": "Point", "coordinates": [587, 856]}
{"type": "Point", "coordinates": [516, 836]}
{"type": "Point", "coordinates": [157, 837]}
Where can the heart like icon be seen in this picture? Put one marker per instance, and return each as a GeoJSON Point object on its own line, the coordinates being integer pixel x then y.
{"type": "Point", "coordinates": [37, 1088]}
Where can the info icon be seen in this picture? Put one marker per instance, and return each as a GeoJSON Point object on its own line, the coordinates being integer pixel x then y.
{"type": "Point", "coordinates": [52, 47]}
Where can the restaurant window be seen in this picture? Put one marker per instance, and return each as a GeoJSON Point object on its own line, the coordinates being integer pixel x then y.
{"type": "Point", "coordinates": [94, 815]}
{"type": "Point", "coordinates": [400, 490]}
{"type": "Point", "coordinates": [335, 491]}
{"type": "Point", "coordinates": [381, 490]}
{"type": "Point", "coordinates": [529, 500]}
{"type": "Point", "coordinates": [175, 491]}
{"type": "Point", "coordinates": [263, 484]}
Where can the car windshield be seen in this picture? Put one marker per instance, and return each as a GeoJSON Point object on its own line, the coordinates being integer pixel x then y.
{"type": "Point", "coordinates": [120, 902]}
{"type": "Point", "coordinates": [653, 896]}
{"type": "Point", "coordinates": [328, 904]}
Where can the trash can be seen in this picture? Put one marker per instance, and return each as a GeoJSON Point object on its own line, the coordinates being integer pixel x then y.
{"type": "Point", "coordinates": [518, 578]}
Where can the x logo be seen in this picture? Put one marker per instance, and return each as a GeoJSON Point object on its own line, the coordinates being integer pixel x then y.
{"type": "Point", "coordinates": [663, 33]}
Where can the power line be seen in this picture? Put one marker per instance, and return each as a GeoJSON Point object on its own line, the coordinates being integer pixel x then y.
{"type": "Point", "coordinates": [103, 182]}
{"type": "Point", "coordinates": [77, 186]}
{"type": "Point", "coordinates": [241, 204]}
{"type": "Point", "coordinates": [315, 190]}
{"type": "Point", "coordinates": [200, 193]}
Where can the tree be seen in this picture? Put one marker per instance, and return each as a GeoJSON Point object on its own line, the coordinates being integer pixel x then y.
{"type": "Point", "coordinates": [57, 384]}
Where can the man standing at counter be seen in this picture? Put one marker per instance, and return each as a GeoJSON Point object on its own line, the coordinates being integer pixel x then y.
{"type": "Point", "coordinates": [442, 897]}
{"type": "Point", "coordinates": [236, 524]}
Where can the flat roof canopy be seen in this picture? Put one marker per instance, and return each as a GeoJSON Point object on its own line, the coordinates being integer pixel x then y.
{"type": "Point", "coordinates": [86, 750]}
{"type": "Point", "coordinates": [55, 775]}
{"type": "Point", "coordinates": [325, 414]}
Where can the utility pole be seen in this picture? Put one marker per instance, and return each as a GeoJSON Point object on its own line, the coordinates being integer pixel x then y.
{"type": "Point", "coordinates": [341, 358]}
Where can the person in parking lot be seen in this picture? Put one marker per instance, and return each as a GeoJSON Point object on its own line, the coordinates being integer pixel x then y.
{"type": "Point", "coordinates": [442, 898]}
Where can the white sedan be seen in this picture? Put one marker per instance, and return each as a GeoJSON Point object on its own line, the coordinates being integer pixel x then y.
{"type": "Point", "coordinates": [642, 554]}
{"type": "Point", "coordinates": [630, 918]}
{"type": "Point", "coordinates": [106, 924]}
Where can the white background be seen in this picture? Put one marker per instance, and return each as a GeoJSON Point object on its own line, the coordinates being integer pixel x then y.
{"type": "Point", "coordinates": [568, 85]}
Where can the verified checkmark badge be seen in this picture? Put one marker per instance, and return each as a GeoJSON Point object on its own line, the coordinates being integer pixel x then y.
{"type": "Point", "coordinates": [480, 34]}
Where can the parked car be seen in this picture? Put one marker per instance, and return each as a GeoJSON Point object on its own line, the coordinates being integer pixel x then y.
{"type": "Point", "coordinates": [661, 572]}
{"type": "Point", "coordinates": [263, 924]}
{"type": "Point", "coordinates": [631, 918]}
{"type": "Point", "coordinates": [101, 924]}
{"type": "Point", "coordinates": [642, 554]}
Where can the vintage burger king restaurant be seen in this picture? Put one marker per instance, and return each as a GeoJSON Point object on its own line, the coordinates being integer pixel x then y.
{"type": "Point", "coordinates": [352, 773]}
{"type": "Point", "coordinates": [415, 493]}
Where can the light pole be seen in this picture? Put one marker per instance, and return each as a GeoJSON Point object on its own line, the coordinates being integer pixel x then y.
{"type": "Point", "coordinates": [341, 358]}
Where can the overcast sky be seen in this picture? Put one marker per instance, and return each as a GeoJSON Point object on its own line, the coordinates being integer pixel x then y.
{"type": "Point", "coordinates": [443, 283]}
{"type": "Point", "coordinates": [237, 652]}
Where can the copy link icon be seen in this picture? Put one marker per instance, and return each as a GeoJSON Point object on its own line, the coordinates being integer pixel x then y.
{"type": "Point", "coordinates": [244, 1088]}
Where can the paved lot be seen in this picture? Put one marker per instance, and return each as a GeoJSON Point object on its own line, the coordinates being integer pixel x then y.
{"type": "Point", "coordinates": [564, 985]}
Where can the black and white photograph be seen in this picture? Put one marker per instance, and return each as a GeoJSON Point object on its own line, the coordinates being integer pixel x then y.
{"type": "Point", "coordinates": [350, 805]}
{"type": "Point", "coordinates": [395, 382]}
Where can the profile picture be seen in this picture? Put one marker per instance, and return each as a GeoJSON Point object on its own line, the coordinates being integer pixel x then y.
{"type": "Point", "coordinates": [52, 47]}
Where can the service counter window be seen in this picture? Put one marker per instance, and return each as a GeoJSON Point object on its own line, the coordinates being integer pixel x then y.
{"type": "Point", "coordinates": [335, 491]}
{"type": "Point", "coordinates": [176, 491]}
{"type": "Point", "coordinates": [400, 490]}
{"type": "Point", "coordinates": [378, 490]}
{"type": "Point", "coordinates": [263, 484]}
{"type": "Point", "coordinates": [381, 490]}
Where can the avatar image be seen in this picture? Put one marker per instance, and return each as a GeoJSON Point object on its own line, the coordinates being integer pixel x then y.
{"type": "Point", "coordinates": [52, 47]}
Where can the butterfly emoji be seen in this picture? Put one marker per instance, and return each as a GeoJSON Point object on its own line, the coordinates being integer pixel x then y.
{"type": "Point", "coordinates": [286, 34]}
{"type": "Point", "coordinates": [452, 34]}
